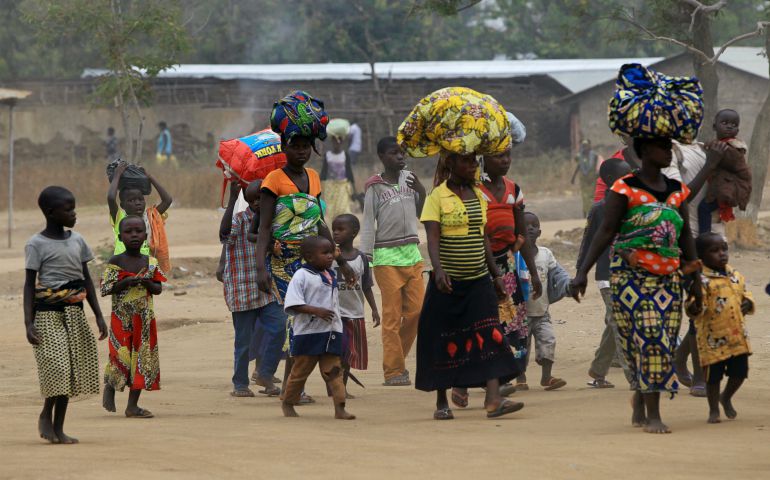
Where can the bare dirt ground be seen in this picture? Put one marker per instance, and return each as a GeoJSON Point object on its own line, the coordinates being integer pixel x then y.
{"type": "Point", "coordinates": [201, 432]}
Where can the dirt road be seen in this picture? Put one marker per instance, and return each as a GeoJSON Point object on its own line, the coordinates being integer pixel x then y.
{"type": "Point", "coordinates": [201, 432]}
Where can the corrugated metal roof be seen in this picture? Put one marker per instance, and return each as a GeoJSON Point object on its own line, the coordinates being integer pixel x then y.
{"type": "Point", "coordinates": [748, 59]}
{"type": "Point", "coordinates": [573, 74]}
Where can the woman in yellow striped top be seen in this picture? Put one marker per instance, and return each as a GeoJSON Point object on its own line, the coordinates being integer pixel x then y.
{"type": "Point", "coordinates": [460, 341]}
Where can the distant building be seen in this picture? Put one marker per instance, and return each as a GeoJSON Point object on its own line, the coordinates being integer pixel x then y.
{"type": "Point", "coordinates": [560, 101]}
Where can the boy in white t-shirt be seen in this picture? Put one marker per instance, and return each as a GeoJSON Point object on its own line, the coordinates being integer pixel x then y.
{"type": "Point", "coordinates": [556, 286]}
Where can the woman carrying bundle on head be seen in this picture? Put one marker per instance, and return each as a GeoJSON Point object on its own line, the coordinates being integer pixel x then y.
{"type": "Point", "coordinates": [646, 215]}
{"type": "Point", "coordinates": [337, 171]}
{"type": "Point", "coordinates": [460, 340]}
{"type": "Point", "coordinates": [290, 202]}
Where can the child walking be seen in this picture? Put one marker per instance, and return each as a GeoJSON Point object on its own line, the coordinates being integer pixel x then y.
{"type": "Point", "coordinates": [316, 332]}
{"type": "Point", "coordinates": [609, 346]}
{"type": "Point", "coordinates": [556, 281]}
{"type": "Point", "coordinates": [392, 204]}
{"type": "Point", "coordinates": [132, 202]}
{"type": "Point", "coordinates": [132, 278]}
{"type": "Point", "coordinates": [720, 329]}
{"type": "Point", "coordinates": [250, 307]}
{"type": "Point", "coordinates": [355, 350]}
{"type": "Point", "coordinates": [57, 281]}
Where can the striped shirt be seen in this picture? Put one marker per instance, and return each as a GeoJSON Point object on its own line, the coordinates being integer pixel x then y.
{"type": "Point", "coordinates": [463, 257]}
{"type": "Point", "coordinates": [242, 292]}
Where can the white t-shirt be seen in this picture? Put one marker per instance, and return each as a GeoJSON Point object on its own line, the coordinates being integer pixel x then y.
{"type": "Point", "coordinates": [689, 160]}
{"type": "Point", "coordinates": [544, 261]}
{"type": "Point", "coordinates": [355, 138]}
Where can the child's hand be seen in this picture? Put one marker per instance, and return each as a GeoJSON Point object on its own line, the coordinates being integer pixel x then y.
{"type": "Point", "coordinates": [121, 168]}
{"type": "Point", "coordinates": [323, 313]}
{"type": "Point", "coordinates": [537, 287]}
{"type": "Point", "coordinates": [746, 306]}
{"type": "Point", "coordinates": [694, 310]}
{"type": "Point", "coordinates": [263, 280]}
{"type": "Point", "coordinates": [102, 326]}
{"type": "Point", "coordinates": [414, 183]}
{"type": "Point", "coordinates": [348, 274]}
{"type": "Point", "coordinates": [32, 335]}
{"type": "Point", "coordinates": [442, 280]}
{"type": "Point", "coordinates": [375, 318]}
{"type": "Point", "coordinates": [220, 273]}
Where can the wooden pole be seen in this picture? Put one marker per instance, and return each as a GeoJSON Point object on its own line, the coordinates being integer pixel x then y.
{"type": "Point", "coordinates": [10, 175]}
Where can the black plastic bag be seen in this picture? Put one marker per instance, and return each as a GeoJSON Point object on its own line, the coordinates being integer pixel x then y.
{"type": "Point", "coordinates": [133, 177]}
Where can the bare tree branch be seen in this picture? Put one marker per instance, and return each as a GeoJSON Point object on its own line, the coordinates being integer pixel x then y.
{"type": "Point", "coordinates": [700, 7]}
{"type": "Point", "coordinates": [652, 36]}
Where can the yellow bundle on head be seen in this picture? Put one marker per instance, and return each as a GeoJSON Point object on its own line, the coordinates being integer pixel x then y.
{"type": "Point", "coordinates": [458, 120]}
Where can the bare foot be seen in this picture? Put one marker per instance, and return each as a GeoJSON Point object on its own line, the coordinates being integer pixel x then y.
{"type": "Point", "coordinates": [656, 426]}
{"type": "Point", "coordinates": [45, 429]}
{"type": "Point", "coordinates": [639, 416]}
{"type": "Point", "coordinates": [341, 414]}
{"type": "Point", "coordinates": [108, 398]}
{"type": "Point", "coordinates": [728, 407]}
{"type": "Point", "coordinates": [65, 439]}
{"type": "Point", "coordinates": [288, 410]}
{"type": "Point", "coordinates": [714, 417]}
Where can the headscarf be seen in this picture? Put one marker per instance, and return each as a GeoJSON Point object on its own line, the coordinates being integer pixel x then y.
{"type": "Point", "coordinates": [649, 104]}
{"type": "Point", "coordinates": [457, 120]}
{"type": "Point", "coordinates": [299, 115]}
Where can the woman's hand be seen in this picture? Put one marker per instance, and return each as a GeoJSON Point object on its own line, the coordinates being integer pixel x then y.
{"type": "Point", "coordinates": [263, 280]}
{"type": "Point", "coordinates": [348, 274]}
{"type": "Point", "coordinates": [442, 281]}
{"type": "Point", "coordinates": [102, 326]}
{"type": "Point", "coordinates": [32, 335]}
{"type": "Point", "coordinates": [577, 285]}
{"type": "Point", "coordinates": [696, 292]}
{"type": "Point", "coordinates": [500, 288]}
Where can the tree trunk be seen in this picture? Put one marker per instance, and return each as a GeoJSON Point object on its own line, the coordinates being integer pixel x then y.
{"type": "Point", "coordinates": [759, 151]}
{"type": "Point", "coordinates": [129, 135]}
{"type": "Point", "coordinates": [706, 72]}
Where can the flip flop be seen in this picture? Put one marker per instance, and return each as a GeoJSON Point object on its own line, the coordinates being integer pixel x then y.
{"type": "Point", "coordinates": [507, 390]}
{"type": "Point", "coordinates": [698, 391]}
{"type": "Point", "coordinates": [306, 399]}
{"type": "Point", "coordinates": [273, 392]}
{"type": "Point", "coordinates": [142, 413]}
{"type": "Point", "coordinates": [443, 414]}
{"type": "Point", "coordinates": [459, 399]}
{"type": "Point", "coordinates": [555, 383]}
{"type": "Point", "coordinates": [505, 407]}
{"type": "Point", "coordinates": [242, 393]}
{"type": "Point", "coordinates": [600, 383]}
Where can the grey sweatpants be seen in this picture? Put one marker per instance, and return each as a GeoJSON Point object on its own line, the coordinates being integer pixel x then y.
{"type": "Point", "coordinates": [609, 346]}
{"type": "Point", "coordinates": [541, 329]}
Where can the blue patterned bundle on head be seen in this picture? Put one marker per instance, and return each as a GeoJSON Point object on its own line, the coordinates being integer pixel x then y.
{"type": "Point", "coordinates": [299, 115]}
{"type": "Point", "coordinates": [649, 104]}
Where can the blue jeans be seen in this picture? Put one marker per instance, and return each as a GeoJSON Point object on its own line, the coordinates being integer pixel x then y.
{"type": "Point", "coordinates": [273, 321]}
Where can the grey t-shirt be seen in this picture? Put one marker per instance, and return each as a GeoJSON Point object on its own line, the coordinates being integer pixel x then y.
{"type": "Point", "coordinates": [57, 261]}
{"type": "Point", "coordinates": [352, 296]}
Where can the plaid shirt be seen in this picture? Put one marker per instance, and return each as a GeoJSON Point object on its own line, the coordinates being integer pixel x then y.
{"type": "Point", "coordinates": [240, 276]}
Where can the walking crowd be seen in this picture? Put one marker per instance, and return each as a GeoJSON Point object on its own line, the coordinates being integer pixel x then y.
{"type": "Point", "coordinates": [298, 288]}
